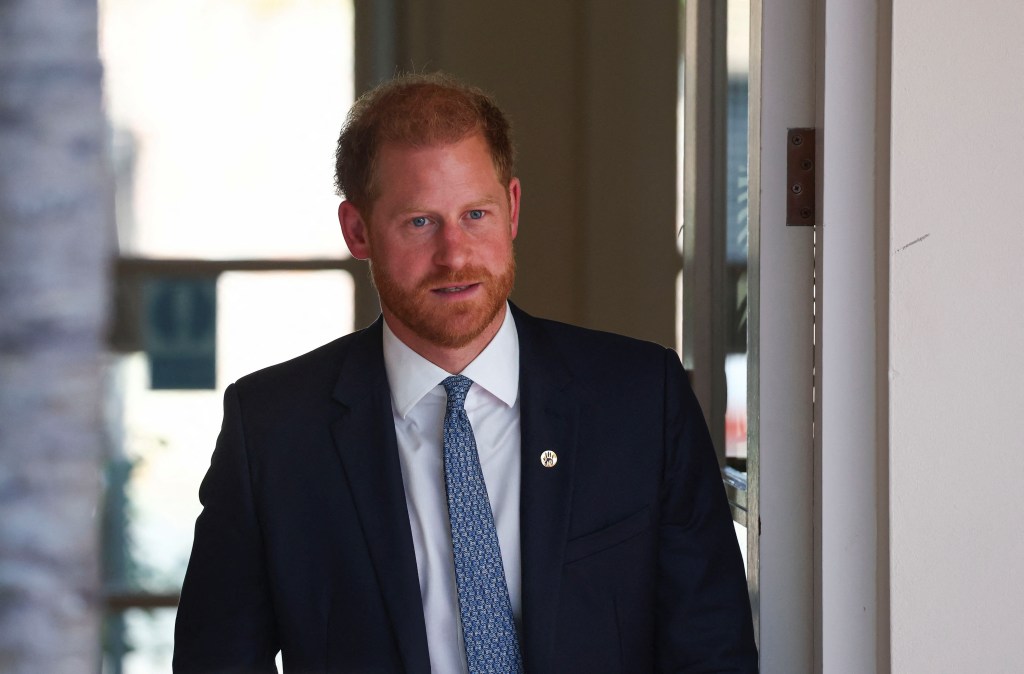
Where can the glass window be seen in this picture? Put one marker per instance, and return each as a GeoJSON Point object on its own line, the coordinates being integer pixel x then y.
{"type": "Point", "coordinates": [738, 73]}
{"type": "Point", "coordinates": [224, 115]}
{"type": "Point", "coordinates": [713, 236]}
{"type": "Point", "coordinates": [729, 275]}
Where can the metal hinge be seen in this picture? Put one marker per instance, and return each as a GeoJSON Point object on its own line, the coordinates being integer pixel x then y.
{"type": "Point", "coordinates": [800, 178]}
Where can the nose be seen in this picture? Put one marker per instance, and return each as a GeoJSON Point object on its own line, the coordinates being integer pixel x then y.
{"type": "Point", "coordinates": [453, 246]}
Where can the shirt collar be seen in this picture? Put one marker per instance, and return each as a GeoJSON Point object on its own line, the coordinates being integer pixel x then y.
{"type": "Point", "coordinates": [411, 376]}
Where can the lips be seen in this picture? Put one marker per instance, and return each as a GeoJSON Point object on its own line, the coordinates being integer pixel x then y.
{"type": "Point", "coordinates": [451, 290]}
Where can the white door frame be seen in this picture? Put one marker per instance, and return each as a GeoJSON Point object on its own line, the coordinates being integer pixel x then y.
{"type": "Point", "coordinates": [818, 422]}
{"type": "Point", "coordinates": [851, 476]}
{"type": "Point", "coordinates": [780, 374]}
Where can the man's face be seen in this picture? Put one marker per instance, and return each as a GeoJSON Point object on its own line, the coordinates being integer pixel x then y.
{"type": "Point", "coordinates": [439, 240]}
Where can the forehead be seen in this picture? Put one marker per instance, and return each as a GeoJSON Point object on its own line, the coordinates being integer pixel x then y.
{"type": "Point", "coordinates": [461, 168]}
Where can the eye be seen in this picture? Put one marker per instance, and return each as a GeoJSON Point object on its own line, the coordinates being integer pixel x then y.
{"type": "Point", "coordinates": [420, 221]}
{"type": "Point", "coordinates": [476, 214]}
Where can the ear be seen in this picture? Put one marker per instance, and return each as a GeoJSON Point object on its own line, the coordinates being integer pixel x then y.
{"type": "Point", "coordinates": [514, 190]}
{"type": "Point", "coordinates": [353, 228]}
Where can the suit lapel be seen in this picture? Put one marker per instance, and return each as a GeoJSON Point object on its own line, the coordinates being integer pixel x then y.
{"type": "Point", "coordinates": [548, 418]}
{"type": "Point", "coordinates": [365, 440]}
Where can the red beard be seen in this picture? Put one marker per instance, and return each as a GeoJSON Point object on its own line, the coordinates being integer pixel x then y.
{"type": "Point", "coordinates": [455, 324]}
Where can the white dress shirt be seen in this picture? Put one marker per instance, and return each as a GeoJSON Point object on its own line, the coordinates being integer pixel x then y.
{"type": "Point", "coordinates": [418, 404]}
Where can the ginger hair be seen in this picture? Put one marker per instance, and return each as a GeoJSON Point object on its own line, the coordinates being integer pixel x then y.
{"type": "Point", "coordinates": [417, 111]}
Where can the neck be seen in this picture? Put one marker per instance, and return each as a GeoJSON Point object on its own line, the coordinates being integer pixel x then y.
{"type": "Point", "coordinates": [450, 359]}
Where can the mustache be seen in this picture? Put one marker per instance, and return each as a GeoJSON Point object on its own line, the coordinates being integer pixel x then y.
{"type": "Point", "coordinates": [464, 276]}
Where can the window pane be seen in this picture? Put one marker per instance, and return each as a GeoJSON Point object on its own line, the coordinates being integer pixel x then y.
{"type": "Point", "coordinates": [270, 317]}
{"type": "Point", "coordinates": [225, 114]}
{"type": "Point", "coordinates": [738, 69]}
{"type": "Point", "coordinates": [728, 277]}
{"type": "Point", "coordinates": [161, 440]}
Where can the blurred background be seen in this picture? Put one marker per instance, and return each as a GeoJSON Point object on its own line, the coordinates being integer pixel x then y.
{"type": "Point", "coordinates": [222, 118]}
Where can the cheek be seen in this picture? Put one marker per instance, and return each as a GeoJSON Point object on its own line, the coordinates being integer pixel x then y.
{"type": "Point", "coordinates": [501, 251]}
{"type": "Point", "coordinates": [404, 264]}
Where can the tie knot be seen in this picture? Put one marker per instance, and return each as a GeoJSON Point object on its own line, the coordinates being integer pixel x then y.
{"type": "Point", "coordinates": [457, 387]}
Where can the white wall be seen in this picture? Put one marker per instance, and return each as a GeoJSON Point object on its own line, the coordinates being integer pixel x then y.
{"type": "Point", "coordinates": [957, 336]}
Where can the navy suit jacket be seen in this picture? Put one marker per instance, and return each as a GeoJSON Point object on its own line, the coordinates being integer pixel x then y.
{"type": "Point", "coordinates": [629, 560]}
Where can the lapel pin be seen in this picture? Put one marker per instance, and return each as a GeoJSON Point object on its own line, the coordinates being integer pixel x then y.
{"type": "Point", "coordinates": [548, 459]}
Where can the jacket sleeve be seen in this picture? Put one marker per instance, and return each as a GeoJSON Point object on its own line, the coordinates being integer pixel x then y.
{"type": "Point", "coordinates": [703, 610]}
{"type": "Point", "coordinates": [225, 620]}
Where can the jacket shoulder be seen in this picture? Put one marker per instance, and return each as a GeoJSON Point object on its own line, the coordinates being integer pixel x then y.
{"type": "Point", "coordinates": [586, 349]}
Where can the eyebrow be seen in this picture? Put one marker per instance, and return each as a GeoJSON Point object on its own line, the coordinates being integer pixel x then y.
{"type": "Point", "coordinates": [405, 211]}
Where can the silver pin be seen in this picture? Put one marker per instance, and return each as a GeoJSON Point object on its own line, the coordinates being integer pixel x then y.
{"type": "Point", "coordinates": [548, 459]}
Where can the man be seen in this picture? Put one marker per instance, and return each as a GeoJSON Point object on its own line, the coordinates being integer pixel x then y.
{"type": "Point", "coordinates": [460, 487]}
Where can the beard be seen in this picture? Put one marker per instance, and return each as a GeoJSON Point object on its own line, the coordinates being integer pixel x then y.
{"type": "Point", "coordinates": [456, 324]}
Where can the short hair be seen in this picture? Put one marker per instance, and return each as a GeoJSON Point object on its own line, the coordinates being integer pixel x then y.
{"type": "Point", "coordinates": [416, 110]}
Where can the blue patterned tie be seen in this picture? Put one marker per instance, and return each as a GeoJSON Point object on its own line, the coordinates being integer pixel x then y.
{"type": "Point", "coordinates": [487, 625]}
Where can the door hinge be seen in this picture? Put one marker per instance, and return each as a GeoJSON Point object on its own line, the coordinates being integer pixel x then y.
{"type": "Point", "coordinates": [800, 178]}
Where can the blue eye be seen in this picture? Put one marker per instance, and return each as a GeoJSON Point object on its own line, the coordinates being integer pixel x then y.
{"type": "Point", "coordinates": [420, 221]}
{"type": "Point", "coordinates": [476, 214]}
